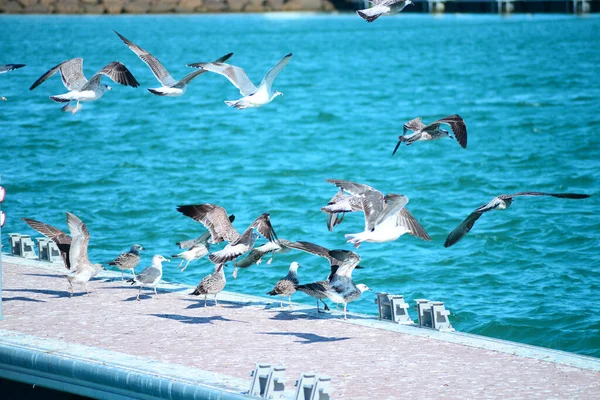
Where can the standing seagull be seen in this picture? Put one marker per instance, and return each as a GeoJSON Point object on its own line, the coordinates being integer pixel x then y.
{"type": "Point", "coordinates": [501, 202]}
{"type": "Point", "coordinates": [433, 131]}
{"type": "Point", "coordinates": [382, 7]}
{"type": "Point", "coordinates": [80, 88]}
{"type": "Point", "coordinates": [170, 87]}
{"type": "Point", "coordinates": [287, 285]}
{"type": "Point", "coordinates": [9, 67]}
{"type": "Point", "coordinates": [215, 219]}
{"type": "Point", "coordinates": [386, 219]}
{"type": "Point", "coordinates": [211, 284]}
{"type": "Point", "coordinates": [128, 260]}
{"type": "Point", "coordinates": [316, 290]}
{"type": "Point", "coordinates": [253, 96]}
{"type": "Point", "coordinates": [149, 276]}
{"type": "Point", "coordinates": [342, 289]}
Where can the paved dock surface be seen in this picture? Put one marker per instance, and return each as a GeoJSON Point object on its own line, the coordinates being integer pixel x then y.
{"type": "Point", "coordinates": [365, 358]}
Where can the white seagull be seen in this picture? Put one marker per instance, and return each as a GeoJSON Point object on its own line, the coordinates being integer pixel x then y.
{"type": "Point", "coordinates": [80, 89]}
{"type": "Point", "coordinates": [150, 276]}
{"type": "Point", "coordinates": [382, 7]}
{"type": "Point", "coordinates": [170, 86]}
{"type": "Point", "coordinates": [253, 96]}
{"type": "Point", "coordinates": [9, 67]}
{"type": "Point", "coordinates": [432, 131]}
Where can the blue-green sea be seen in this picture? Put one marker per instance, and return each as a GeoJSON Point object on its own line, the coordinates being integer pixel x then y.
{"type": "Point", "coordinates": [527, 86]}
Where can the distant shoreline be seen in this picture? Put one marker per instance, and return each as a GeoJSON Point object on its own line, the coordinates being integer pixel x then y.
{"type": "Point", "coordinates": [259, 6]}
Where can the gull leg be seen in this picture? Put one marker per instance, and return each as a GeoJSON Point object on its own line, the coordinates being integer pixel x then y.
{"type": "Point", "coordinates": [188, 263]}
{"type": "Point", "coordinates": [155, 292]}
{"type": "Point", "coordinates": [71, 289]}
{"type": "Point", "coordinates": [138, 296]}
{"type": "Point", "coordinates": [318, 311]}
{"type": "Point", "coordinates": [325, 306]}
{"type": "Point", "coordinates": [86, 289]}
{"type": "Point", "coordinates": [133, 272]}
{"type": "Point", "coordinates": [259, 261]}
{"type": "Point", "coordinates": [77, 108]}
{"type": "Point", "coordinates": [179, 266]}
{"type": "Point", "coordinates": [345, 311]}
{"type": "Point", "coordinates": [270, 260]}
{"type": "Point", "coordinates": [280, 302]}
{"type": "Point", "coordinates": [235, 272]}
{"type": "Point", "coordinates": [290, 300]}
{"type": "Point", "coordinates": [205, 300]}
{"type": "Point", "coordinates": [215, 298]}
{"type": "Point", "coordinates": [122, 275]}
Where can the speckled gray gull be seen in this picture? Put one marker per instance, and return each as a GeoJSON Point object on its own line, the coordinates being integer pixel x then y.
{"type": "Point", "coordinates": [61, 239]}
{"type": "Point", "coordinates": [9, 67]}
{"type": "Point", "coordinates": [150, 276]}
{"type": "Point", "coordinates": [80, 89]}
{"type": "Point", "coordinates": [342, 289]}
{"type": "Point", "coordinates": [382, 7]}
{"type": "Point", "coordinates": [433, 131]}
{"type": "Point", "coordinates": [128, 260]}
{"type": "Point", "coordinates": [211, 284]}
{"type": "Point", "coordinates": [316, 290]}
{"type": "Point", "coordinates": [170, 86]}
{"type": "Point", "coordinates": [286, 285]}
{"type": "Point", "coordinates": [253, 96]}
{"type": "Point", "coordinates": [256, 254]}
{"type": "Point", "coordinates": [501, 202]}
{"type": "Point", "coordinates": [386, 218]}
{"type": "Point", "coordinates": [215, 219]}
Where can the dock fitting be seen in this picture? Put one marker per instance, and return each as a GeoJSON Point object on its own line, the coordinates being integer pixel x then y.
{"type": "Point", "coordinates": [267, 381]}
{"type": "Point", "coordinates": [313, 387]}
{"type": "Point", "coordinates": [393, 308]}
{"type": "Point", "coordinates": [433, 315]}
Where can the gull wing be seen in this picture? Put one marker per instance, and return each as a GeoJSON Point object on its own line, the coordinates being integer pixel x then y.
{"type": "Point", "coordinates": [393, 203]}
{"type": "Point", "coordinates": [200, 240]}
{"type": "Point", "coordinates": [214, 218]}
{"type": "Point", "coordinates": [373, 205]}
{"type": "Point", "coordinates": [192, 75]}
{"type": "Point", "coordinates": [458, 126]}
{"type": "Point", "coordinates": [148, 275]}
{"type": "Point", "coordinates": [310, 248]}
{"type": "Point", "coordinates": [414, 125]}
{"type": "Point", "coordinates": [62, 240]}
{"type": "Point", "coordinates": [78, 253]}
{"type": "Point", "coordinates": [406, 220]}
{"type": "Point", "coordinates": [346, 260]}
{"type": "Point", "coordinates": [115, 71]}
{"type": "Point", "coordinates": [461, 230]}
{"type": "Point", "coordinates": [272, 74]}
{"type": "Point", "coordinates": [355, 189]}
{"type": "Point", "coordinates": [559, 195]}
{"type": "Point", "coordinates": [236, 75]}
{"type": "Point", "coordinates": [159, 71]}
{"type": "Point", "coordinates": [9, 67]}
{"type": "Point", "coordinates": [71, 72]}
{"type": "Point", "coordinates": [263, 225]}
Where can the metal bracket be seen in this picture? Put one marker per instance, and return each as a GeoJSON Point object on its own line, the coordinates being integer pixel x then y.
{"type": "Point", "coordinates": [48, 250]}
{"type": "Point", "coordinates": [313, 387]}
{"type": "Point", "coordinates": [393, 308]}
{"type": "Point", "coordinates": [433, 315]}
{"type": "Point", "coordinates": [267, 381]}
{"type": "Point", "coordinates": [22, 245]}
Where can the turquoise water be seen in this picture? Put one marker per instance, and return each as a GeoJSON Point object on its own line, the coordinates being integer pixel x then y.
{"type": "Point", "coordinates": [527, 86]}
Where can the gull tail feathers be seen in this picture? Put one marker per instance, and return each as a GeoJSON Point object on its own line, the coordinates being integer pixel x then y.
{"type": "Point", "coordinates": [157, 92]}
{"type": "Point", "coordinates": [369, 14]}
{"type": "Point", "coordinates": [61, 98]}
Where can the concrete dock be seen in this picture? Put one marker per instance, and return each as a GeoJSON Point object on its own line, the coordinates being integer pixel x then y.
{"type": "Point", "coordinates": [173, 347]}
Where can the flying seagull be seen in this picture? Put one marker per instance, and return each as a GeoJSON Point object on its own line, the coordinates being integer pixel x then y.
{"type": "Point", "coordinates": [80, 89]}
{"type": "Point", "coordinates": [386, 218]}
{"type": "Point", "coordinates": [170, 87]}
{"type": "Point", "coordinates": [382, 7]}
{"type": "Point", "coordinates": [211, 284]}
{"type": "Point", "coordinates": [286, 285]}
{"type": "Point", "coordinates": [253, 96]}
{"type": "Point", "coordinates": [501, 202]}
{"type": "Point", "coordinates": [128, 260]}
{"type": "Point", "coordinates": [433, 131]}
{"type": "Point", "coordinates": [150, 276]}
{"type": "Point", "coordinates": [215, 219]}
{"type": "Point", "coordinates": [256, 254]}
{"type": "Point", "coordinates": [9, 67]}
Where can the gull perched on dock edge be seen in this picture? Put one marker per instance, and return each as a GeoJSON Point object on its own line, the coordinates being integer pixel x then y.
{"type": "Point", "coordinates": [501, 202]}
{"type": "Point", "coordinates": [170, 87]}
{"type": "Point", "coordinates": [80, 89]}
{"type": "Point", "coordinates": [211, 284]}
{"type": "Point", "coordinates": [128, 260]}
{"type": "Point", "coordinates": [253, 96]}
{"type": "Point", "coordinates": [150, 276]}
{"type": "Point", "coordinates": [382, 7]}
{"type": "Point", "coordinates": [386, 218]}
{"type": "Point", "coordinates": [215, 219]}
{"type": "Point", "coordinates": [287, 285]}
{"type": "Point", "coordinates": [9, 67]}
{"type": "Point", "coordinates": [316, 290]}
{"type": "Point", "coordinates": [433, 131]}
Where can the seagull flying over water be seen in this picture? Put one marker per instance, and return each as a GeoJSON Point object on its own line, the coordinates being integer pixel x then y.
{"type": "Point", "coordinates": [253, 96]}
{"type": "Point", "coordinates": [501, 202]}
{"type": "Point", "coordinates": [150, 276]}
{"type": "Point", "coordinates": [128, 260]}
{"type": "Point", "coordinates": [433, 131]}
{"type": "Point", "coordinates": [170, 87]}
{"type": "Point", "coordinates": [382, 7]}
{"type": "Point", "coordinates": [80, 89]}
{"type": "Point", "coordinates": [256, 254]}
{"type": "Point", "coordinates": [9, 67]}
{"type": "Point", "coordinates": [386, 218]}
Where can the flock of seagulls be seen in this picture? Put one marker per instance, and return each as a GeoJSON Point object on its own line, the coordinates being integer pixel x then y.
{"type": "Point", "coordinates": [386, 217]}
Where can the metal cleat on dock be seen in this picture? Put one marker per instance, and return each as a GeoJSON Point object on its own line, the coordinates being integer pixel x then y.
{"type": "Point", "coordinates": [393, 308]}
{"type": "Point", "coordinates": [433, 315]}
{"type": "Point", "coordinates": [267, 381]}
{"type": "Point", "coordinates": [47, 250]}
{"type": "Point", "coordinates": [22, 245]}
{"type": "Point", "coordinates": [313, 387]}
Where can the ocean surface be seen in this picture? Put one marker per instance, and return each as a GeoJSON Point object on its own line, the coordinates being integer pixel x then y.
{"type": "Point", "coordinates": [527, 86]}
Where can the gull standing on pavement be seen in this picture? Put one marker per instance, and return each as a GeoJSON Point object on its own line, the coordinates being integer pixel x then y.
{"type": "Point", "coordinates": [150, 276]}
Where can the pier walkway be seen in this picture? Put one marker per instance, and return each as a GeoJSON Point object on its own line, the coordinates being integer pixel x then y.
{"type": "Point", "coordinates": [109, 345]}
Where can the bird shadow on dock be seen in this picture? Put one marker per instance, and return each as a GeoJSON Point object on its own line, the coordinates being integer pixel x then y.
{"type": "Point", "coordinates": [187, 319]}
{"type": "Point", "coordinates": [22, 298]}
{"type": "Point", "coordinates": [307, 338]}
{"type": "Point", "coordinates": [56, 293]}
{"type": "Point", "coordinates": [199, 303]}
{"type": "Point", "coordinates": [50, 275]}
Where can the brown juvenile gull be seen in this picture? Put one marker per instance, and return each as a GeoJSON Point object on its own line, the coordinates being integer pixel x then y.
{"type": "Point", "coordinates": [256, 254]}
{"type": "Point", "coordinates": [382, 7]}
{"type": "Point", "coordinates": [316, 290]}
{"type": "Point", "coordinates": [386, 218]}
{"type": "Point", "coordinates": [501, 202]}
{"type": "Point", "coordinates": [215, 219]}
{"type": "Point", "coordinates": [61, 239]}
{"type": "Point", "coordinates": [286, 285]}
{"type": "Point", "coordinates": [150, 276]}
{"type": "Point", "coordinates": [170, 87]}
{"type": "Point", "coordinates": [80, 89]}
{"type": "Point", "coordinates": [128, 260]}
{"type": "Point", "coordinates": [211, 284]}
{"type": "Point", "coordinates": [253, 96]}
{"type": "Point", "coordinates": [433, 131]}
{"type": "Point", "coordinates": [9, 67]}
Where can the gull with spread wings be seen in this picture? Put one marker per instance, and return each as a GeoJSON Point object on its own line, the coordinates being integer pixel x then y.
{"type": "Point", "coordinates": [253, 96]}
{"type": "Point", "coordinates": [80, 89]}
{"type": "Point", "coordinates": [433, 131]}
{"type": "Point", "coordinates": [382, 7]}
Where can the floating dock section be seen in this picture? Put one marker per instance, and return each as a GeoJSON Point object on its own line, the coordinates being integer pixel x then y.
{"type": "Point", "coordinates": [108, 345]}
